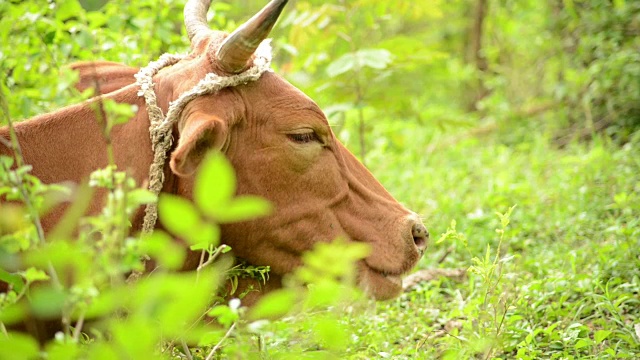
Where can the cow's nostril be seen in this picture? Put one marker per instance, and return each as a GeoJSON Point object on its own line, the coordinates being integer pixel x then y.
{"type": "Point", "coordinates": [420, 236]}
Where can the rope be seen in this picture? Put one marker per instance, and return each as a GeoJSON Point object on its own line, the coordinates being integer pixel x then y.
{"type": "Point", "coordinates": [160, 126]}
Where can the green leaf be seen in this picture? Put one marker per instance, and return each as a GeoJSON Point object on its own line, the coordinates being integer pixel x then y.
{"type": "Point", "coordinates": [32, 274]}
{"type": "Point", "coordinates": [372, 58]}
{"type": "Point", "coordinates": [211, 337]}
{"type": "Point", "coordinates": [18, 346]}
{"type": "Point", "coordinates": [375, 58]}
{"type": "Point", "coordinates": [47, 301]}
{"type": "Point", "coordinates": [205, 236]}
{"type": "Point", "coordinates": [68, 9]}
{"type": "Point", "coordinates": [141, 196]}
{"type": "Point", "coordinates": [274, 304]}
{"type": "Point", "coordinates": [15, 280]}
{"type": "Point", "coordinates": [329, 333]}
{"type": "Point", "coordinates": [6, 162]}
{"type": "Point", "coordinates": [15, 313]}
{"type": "Point", "coordinates": [323, 293]}
{"type": "Point", "coordinates": [142, 330]}
{"type": "Point", "coordinates": [105, 351]}
{"type": "Point", "coordinates": [600, 335]}
{"type": "Point", "coordinates": [243, 208]}
{"type": "Point", "coordinates": [63, 351]}
{"type": "Point", "coordinates": [225, 315]}
{"type": "Point", "coordinates": [173, 302]}
{"type": "Point", "coordinates": [164, 249]}
{"type": "Point", "coordinates": [215, 184]}
{"type": "Point", "coordinates": [341, 65]}
{"type": "Point", "coordinates": [178, 216]}
{"type": "Point", "coordinates": [118, 113]}
{"type": "Point", "coordinates": [582, 343]}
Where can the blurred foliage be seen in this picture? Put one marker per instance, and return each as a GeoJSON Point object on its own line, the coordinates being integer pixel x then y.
{"type": "Point", "coordinates": [600, 64]}
{"type": "Point", "coordinates": [568, 66]}
{"type": "Point", "coordinates": [400, 87]}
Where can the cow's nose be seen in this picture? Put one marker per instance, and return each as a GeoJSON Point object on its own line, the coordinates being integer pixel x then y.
{"type": "Point", "coordinates": [420, 236]}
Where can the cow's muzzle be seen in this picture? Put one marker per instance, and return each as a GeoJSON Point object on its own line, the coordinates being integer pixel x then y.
{"type": "Point", "coordinates": [420, 235]}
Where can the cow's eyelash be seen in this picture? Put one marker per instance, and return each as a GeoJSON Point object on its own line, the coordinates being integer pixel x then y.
{"type": "Point", "coordinates": [304, 137]}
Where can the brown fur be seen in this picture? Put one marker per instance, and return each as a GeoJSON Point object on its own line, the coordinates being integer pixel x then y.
{"type": "Point", "coordinates": [319, 189]}
{"type": "Point", "coordinates": [103, 76]}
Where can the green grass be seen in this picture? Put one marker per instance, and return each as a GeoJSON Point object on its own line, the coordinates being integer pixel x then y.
{"type": "Point", "coordinates": [569, 285]}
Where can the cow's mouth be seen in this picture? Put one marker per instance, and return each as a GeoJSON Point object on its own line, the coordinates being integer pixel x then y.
{"type": "Point", "coordinates": [381, 284]}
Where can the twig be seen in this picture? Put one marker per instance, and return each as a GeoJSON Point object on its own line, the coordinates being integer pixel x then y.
{"type": "Point", "coordinates": [215, 348]}
{"type": "Point", "coordinates": [17, 150]}
{"type": "Point", "coordinates": [17, 154]}
{"type": "Point", "coordinates": [455, 337]}
{"type": "Point", "coordinates": [446, 254]}
{"type": "Point", "coordinates": [78, 329]}
{"type": "Point", "coordinates": [3, 329]}
{"type": "Point", "coordinates": [210, 259]}
{"type": "Point", "coordinates": [5, 142]}
{"type": "Point", "coordinates": [421, 276]}
{"type": "Point", "coordinates": [186, 350]}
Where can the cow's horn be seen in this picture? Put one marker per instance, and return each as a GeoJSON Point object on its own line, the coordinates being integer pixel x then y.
{"type": "Point", "coordinates": [236, 50]}
{"type": "Point", "coordinates": [195, 17]}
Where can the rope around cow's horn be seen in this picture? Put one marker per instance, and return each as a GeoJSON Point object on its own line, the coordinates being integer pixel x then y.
{"type": "Point", "coordinates": [160, 126]}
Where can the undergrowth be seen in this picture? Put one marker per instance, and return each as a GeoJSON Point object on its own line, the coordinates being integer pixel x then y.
{"type": "Point", "coordinates": [560, 280]}
{"type": "Point", "coordinates": [550, 236]}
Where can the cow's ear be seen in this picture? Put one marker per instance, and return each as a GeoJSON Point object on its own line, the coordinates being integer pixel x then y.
{"type": "Point", "coordinates": [200, 134]}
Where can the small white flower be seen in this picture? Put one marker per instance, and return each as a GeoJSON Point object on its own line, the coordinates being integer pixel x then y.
{"type": "Point", "coordinates": [234, 304]}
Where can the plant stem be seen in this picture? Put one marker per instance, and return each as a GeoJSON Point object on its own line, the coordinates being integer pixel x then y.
{"type": "Point", "coordinates": [33, 214]}
{"type": "Point", "coordinates": [211, 258]}
{"type": "Point", "coordinates": [78, 329]}
{"type": "Point", "coordinates": [215, 348]}
{"type": "Point", "coordinates": [17, 154]}
{"type": "Point", "coordinates": [186, 350]}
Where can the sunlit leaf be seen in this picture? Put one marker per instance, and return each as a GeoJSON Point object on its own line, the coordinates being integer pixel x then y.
{"type": "Point", "coordinates": [18, 346]}
{"type": "Point", "coordinates": [274, 304]}
{"type": "Point", "coordinates": [329, 333]}
{"type": "Point", "coordinates": [141, 196]}
{"type": "Point", "coordinates": [215, 183]}
{"type": "Point", "coordinates": [15, 280]}
{"type": "Point", "coordinates": [582, 343]}
{"type": "Point", "coordinates": [47, 301]}
{"type": "Point", "coordinates": [374, 58]}
{"type": "Point", "coordinates": [243, 208]}
{"type": "Point", "coordinates": [63, 351]}
{"type": "Point", "coordinates": [164, 249]}
{"type": "Point", "coordinates": [342, 65]}
{"type": "Point", "coordinates": [137, 328]}
{"type": "Point", "coordinates": [205, 236]}
{"type": "Point", "coordinates": [67, 9]}
{"type": "Point", "coordinates": [178, 215]}
{"type": "Point", "coordinates": [224, 314]}
{"type": "Point", "coordinates": [600, 335]}
{"type": "Point", "coordinates": [211, 337]}
{"type": "Point", "coordinates": [32, 274]}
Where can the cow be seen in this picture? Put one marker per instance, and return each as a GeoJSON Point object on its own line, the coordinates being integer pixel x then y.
{"type": "Point", "coordinates": [277, 139]}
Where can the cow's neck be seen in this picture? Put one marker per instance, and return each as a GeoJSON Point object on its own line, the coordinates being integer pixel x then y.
{"type": "Point", "coordinates": [67, 145]}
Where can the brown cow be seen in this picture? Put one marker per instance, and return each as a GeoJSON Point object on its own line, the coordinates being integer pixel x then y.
{"type": "Point", "coordinates": [277, 139]}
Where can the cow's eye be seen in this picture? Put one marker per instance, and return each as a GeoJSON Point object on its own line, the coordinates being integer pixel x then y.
{"type": "Point", "coordinates": [304, 138]}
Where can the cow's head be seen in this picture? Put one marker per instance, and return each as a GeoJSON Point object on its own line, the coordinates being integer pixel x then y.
{"type": "Point", "coordinates": [283, 149]}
